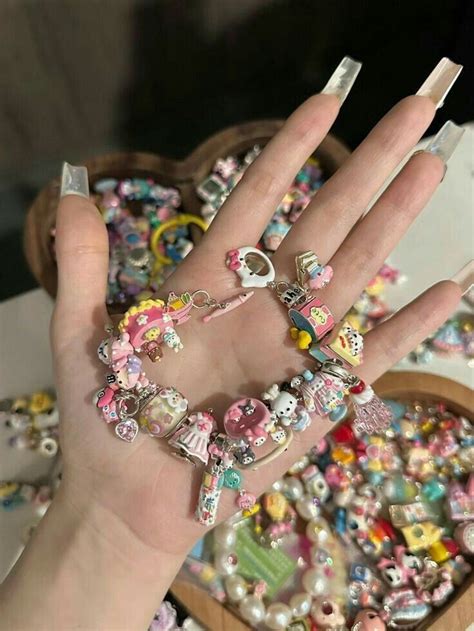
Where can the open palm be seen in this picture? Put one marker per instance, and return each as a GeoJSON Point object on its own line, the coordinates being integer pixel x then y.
{"type": "Point", "coordinates": [243, 352]}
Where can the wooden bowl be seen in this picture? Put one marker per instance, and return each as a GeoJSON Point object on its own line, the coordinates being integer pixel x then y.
{"type": "Point", "coordinates": [457, 613]}
{"type": "Point", "coordinates": [184, 175]}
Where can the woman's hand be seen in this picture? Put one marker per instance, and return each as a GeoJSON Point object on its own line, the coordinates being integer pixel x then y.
{"type": "Point", "coordinates": [145, 496]}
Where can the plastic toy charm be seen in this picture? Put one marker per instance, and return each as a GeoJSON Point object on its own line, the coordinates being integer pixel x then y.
{"type": "Point", "coordinates": [248, 418]}
{"type": "Point", "coordinates": [191, 441]}
{"type": "Point", "coordinates": [311, 272]}
{"type": "Point", "coordinates": [253, 267]}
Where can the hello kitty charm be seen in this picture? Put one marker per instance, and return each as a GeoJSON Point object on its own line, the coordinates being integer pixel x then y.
{"type": "Point", "coordinates": [251, 265]}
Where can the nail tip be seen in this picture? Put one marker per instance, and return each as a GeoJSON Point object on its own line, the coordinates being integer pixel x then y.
{"type": "Point", "coordinates": [74, 180]}
{"type": "Point", "coordinates": [440, 81]}
{"type": "Point", "coordinates": [342, 79]}
{"type": "Point", "coordinates": [446, 140]}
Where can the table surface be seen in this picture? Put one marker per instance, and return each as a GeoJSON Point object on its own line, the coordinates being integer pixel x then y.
{"type": "Point", "coordinates": [442, 236]}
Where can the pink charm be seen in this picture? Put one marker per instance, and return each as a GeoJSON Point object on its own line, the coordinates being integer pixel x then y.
{"type": "Point", "coordinates": [320, 276]}
{"type": "Point", "coordinates": [322, 393]}
{"type": "Point", "coordinates": [246, 500]}
{"type": "Point", "coordinates": [371, 413]}
{"type": "Point", "coordinates": [127, 430]}
{"type": "Point", "coordinates": [151, 320]}
{"type": "Point", "coordinates": [314, 317]}
{"type": "Point", "coordinates": [247, 418]}
{"type": "Point", "coordinates": [104, 400]}
{"type": "Point", "coordinates": [121, 351]}
{"type": "Point", "coordinates": [192, 440]}
{"type": "Point", "coordinates": [128, 375]}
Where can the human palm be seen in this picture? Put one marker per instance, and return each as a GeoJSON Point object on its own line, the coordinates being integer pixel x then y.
{"type": "Point", "coordinates": [243, 352]}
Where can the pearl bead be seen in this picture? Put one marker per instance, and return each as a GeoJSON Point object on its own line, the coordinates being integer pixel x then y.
{"type": "Point", "coordinates": [235, 587]}
{"type": "Point", "coordinates": [306, 507]}
{"type": "Point", "coordinates": [278, 485]}
{"type": "Point", "coordinates": [300, 604]}
{"type": "Point", "coordinates": [314, 582]}
{"type": "Point", "coordinates": [293, 489]}
{"type": "Point", "coordinates": [252, 609]}
{"type": "Point", "coordinates": [225, 562]}
{"type": "Point", "coordinates": [225, 536]}
{"type": "Point", "coordinates": [317, 532]}
{"type": "Point", "coordinates": [278, 616]}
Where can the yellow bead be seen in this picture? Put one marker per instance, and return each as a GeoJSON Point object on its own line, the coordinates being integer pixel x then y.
{"type": "Point", "coordinates": [304, 340]}
{"type": "Point", "coordinates": [294, 333]}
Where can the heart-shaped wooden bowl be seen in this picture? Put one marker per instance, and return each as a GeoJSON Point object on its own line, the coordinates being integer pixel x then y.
{"type": "Point", "coordinates": [185, 175]}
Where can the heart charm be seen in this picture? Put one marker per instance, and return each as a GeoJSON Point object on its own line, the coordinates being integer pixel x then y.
{"type": "Point", "coordinates": [127, 430]}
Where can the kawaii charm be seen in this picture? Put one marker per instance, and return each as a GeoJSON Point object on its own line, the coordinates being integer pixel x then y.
{"type": "Point", "coordinates": [248, 419]}
{"type": "Point", "coordinates": [164, 413]}
{"type": "Point", "coordinates": [151, 323]}
{"type": "Point", "coordinates": [311, 273]}
{"type": "Point", "coordinates": [346, 345]}
{"type": "Point", "coordinates": [312, 321]}
{"type": "Point", "coordinates": [191, 440]}
{"type": "Point", "coordinates": [252, 266]}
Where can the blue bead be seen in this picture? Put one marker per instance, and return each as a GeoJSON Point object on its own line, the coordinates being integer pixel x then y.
{"type": "Point", "coordinates": [339, 413]}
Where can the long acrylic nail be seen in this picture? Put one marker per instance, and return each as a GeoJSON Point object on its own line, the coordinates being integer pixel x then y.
{"type": "Point", "coordinates": [343, 78]}
{"type": "Point", "coordinates": [440, 81]}
{"type": "Point", "coordinates": [445, 141]}
{"type": "Point", "coordinates": [74, 181]}
{"type": "Point", "coordinates": [465, 277]}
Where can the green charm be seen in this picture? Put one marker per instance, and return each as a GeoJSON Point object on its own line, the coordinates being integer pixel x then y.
{"type": "Point", "coordinates": [232, 479]}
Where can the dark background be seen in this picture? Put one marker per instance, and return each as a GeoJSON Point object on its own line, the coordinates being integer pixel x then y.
{"type": "Point", "coordinates": [84, 77]}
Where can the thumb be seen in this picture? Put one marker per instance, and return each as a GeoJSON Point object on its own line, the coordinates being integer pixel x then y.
{"type": "Point", "coordinates": [82, 253]}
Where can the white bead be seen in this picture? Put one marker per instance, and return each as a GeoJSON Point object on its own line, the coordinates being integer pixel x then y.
{"type": "Point", "coordinates": [316, 531]}
{"type": "Point", "coordinates": [225, 536]}
{"type": "Point", "coordinates": [235, 587]}
{"type": "Point", "coordinates": [300, 604]}
{"type": "Point", "coordinates": [278, 485]}
{"type": "Point", "coordinates": [293, 489]}
{"type": "Point", "coordinates": [306, 507]}
{"type": "Point", "coordinates": [224, 563]}
{"type": "Point", "coordinates": [252, 609]}
{"type": "Point", "coordinates": [278, 616]}
{"type": "Point", "coordinates": [314, 582]}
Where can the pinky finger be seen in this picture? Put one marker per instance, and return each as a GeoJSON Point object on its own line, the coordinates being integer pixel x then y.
{"type": "Point", "coordinates": [389, 342]}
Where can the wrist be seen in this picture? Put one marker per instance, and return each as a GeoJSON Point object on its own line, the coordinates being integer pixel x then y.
{"type": "Point", "coordinates": [101, 574]}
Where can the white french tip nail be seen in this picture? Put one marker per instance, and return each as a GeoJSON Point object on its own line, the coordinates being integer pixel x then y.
{"type": "Point", "coordinates": [74, 181]}
{"type": "Point", "coordinates": [465, 277]}
{"type": "Point", "coordinates": [440, 81]}
{"type": "Point", "coordinates": [343, 78]}
{"type": "Point", "coordinates": [445, 141]}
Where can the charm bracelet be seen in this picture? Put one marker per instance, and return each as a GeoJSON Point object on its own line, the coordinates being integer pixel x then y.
{"type": "Point", "coordinates": [130, 401]}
